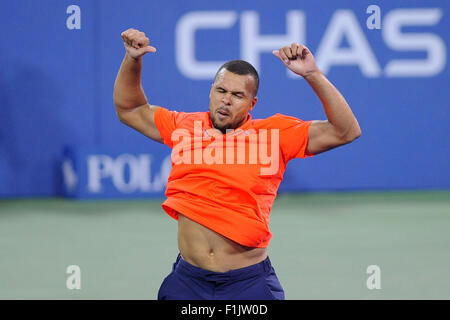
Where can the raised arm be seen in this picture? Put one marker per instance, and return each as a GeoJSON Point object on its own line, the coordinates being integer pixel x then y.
{"type": "Point", "coordinates": [130, 101]}
{"type": "Point", "coordinates": [341, 126]}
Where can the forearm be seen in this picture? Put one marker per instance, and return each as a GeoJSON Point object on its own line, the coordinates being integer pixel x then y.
{"type": "Point", "coordinates": [336, 108]}
{"type": "Point", "coordinates": [128, 92]}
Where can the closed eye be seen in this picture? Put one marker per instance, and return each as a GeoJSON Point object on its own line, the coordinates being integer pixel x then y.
{"type": "Point", "coordinates": [237, 94]}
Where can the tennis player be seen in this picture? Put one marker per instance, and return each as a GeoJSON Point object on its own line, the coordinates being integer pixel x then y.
{"type": "Point", "coordinates": [226, 169]}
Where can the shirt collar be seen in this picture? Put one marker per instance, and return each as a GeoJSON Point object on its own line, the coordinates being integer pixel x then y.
{"type": "Point", "coordinates": [247, 124]}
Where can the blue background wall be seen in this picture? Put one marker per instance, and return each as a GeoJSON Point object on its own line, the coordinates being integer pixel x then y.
{"type": "Point", "coordinates": [56, 87]}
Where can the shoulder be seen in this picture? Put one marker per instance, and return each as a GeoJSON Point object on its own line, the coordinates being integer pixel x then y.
{"type": "Point", "coordinates": [180, 116]}
{"type": "Point", "coordinates": [278, 121]}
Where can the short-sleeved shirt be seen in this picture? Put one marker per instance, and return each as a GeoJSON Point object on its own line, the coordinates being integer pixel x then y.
{"type": "Point", "coordinates": [228, 182]}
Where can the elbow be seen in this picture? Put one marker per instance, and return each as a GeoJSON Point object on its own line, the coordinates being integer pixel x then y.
{"type": "Point", "coordinates": [354, 134]}
{"type": "Point", "coordinates": [120, 116]}
{"type": "Point", "coordinates": [124, 117]}
{"type": "Point", "coordinates": [120, 113]}
{"type": "Point", "coordinates": [120, 104]}
{"type": "Point", "coordinates": [122, 110]}
{"type": "Point", "coordinates": [118, 110]}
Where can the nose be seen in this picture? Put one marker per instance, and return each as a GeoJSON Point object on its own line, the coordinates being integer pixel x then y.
{"type": "Point", "coordinates": [226, 99]}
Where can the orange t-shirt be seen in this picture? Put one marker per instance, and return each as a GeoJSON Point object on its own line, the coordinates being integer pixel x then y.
{"type": "Point", "coordinates": [228, 182]}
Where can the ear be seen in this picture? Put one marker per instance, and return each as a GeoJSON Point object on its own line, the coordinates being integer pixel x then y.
{"type": "Point", "coordinates": [254, 100]}
{"type": "Point", "coordinates": [210, 90]}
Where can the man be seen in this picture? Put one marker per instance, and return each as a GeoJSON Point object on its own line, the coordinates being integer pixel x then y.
{"type": "Point", "coordinates": [223, 181]}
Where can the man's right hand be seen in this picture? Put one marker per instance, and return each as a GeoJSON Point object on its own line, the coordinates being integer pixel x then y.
{"type": "Point", "coordinates": [136, 43]}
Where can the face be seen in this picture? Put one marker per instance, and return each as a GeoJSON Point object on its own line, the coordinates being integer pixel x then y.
{"type": "Point", "coordinates": [231, 99]}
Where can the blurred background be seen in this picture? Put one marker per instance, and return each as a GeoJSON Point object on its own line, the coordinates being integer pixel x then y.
{"type": "Point", "coordinates": [77, 187]}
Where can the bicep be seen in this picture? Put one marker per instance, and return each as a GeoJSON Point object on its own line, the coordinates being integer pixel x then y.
{"type": "Point", "coordinates": [322, 137]}
{"type": "Point", "coordinates": [142, 119]}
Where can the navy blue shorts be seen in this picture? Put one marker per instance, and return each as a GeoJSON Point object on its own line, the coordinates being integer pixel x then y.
{"type": "Point", "coordinates": [188, 282]}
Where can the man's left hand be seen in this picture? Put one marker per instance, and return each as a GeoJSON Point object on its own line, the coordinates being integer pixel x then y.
{"type": "Point", "coordinates": [298, 59]}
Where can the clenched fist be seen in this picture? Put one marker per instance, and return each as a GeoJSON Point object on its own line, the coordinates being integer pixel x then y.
{"type": "Point", "coordinates": [297, 58]}
{"type": "Point", "coordinates": [136, 43]}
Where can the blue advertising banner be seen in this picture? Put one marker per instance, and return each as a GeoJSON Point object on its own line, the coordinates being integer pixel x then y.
{"type": "Point", "coordinates": [59, 60]}
{"type": "Point", "coordinates": [113, 173]}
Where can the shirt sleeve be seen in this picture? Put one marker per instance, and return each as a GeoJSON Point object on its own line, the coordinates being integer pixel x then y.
{"type": "Point", "coordinates": [294, 137]}
{"type": "Point", "coordinates": [166, 121]}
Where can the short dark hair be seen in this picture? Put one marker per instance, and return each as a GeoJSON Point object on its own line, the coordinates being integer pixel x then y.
{"type": "Point", "coordinates": [240, 67]}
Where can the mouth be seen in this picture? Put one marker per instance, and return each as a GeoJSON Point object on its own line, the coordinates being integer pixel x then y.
{"type": "Point", "coordinates": [223, 114]}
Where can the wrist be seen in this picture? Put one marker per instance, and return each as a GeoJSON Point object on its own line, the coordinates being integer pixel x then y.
{"type": "Point", "coordinates": [311, 75]}
{"type": "Point", "coordinates": [132, 59]}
